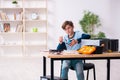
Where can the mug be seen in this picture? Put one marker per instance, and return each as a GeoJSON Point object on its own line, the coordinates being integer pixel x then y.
{"type": "Point", "coordinates": [35, 29]}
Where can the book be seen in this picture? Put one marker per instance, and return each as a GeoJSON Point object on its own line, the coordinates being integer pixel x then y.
{"type": "Point", "coordinates": [6, 27]}
{"type": "Point", "coordinates": [21, 16]}
{"type": "Point", "coordinates": [6, 17]}
{"type": "Point", "coordinates": [1, 27]}
{"type": "Point", "coordinates": [19, 28]}
{"type": "Point", "coordinates": [0, 16]}
{"type": "Point", "coordinates": [3, 16]}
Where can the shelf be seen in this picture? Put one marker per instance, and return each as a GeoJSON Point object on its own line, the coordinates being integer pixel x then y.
{"type": "Point", "coordinates": [38, 8]}
{"type": "Point", "coordinates": [26, 0]}
{"type": "Point", "coordinates": [34, 33]}
{"type": "Point", "coordinates": [9, 33]}
{"type": "Point", "coordinates": [17, 8]}
{"type": "Point", "coordinates": [10, 20]}
{"type": "Point", "coordinates": [35, 45]}
{"type": "Point", "coordinates": [10, 45]}
{"type": "Point", "coordinates": [7, 8]}
{"type": "Point", "coordinates": [36, 20]}
{"type": "Point", "coordinates": [35, 0]}
{"type": "Point", "coordinates": [11, 0]}
{"type": "Point", "coordinates": [27, 41]}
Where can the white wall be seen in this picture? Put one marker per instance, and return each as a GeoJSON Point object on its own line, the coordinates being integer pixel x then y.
{"type": "Point", "coordinates": [113, 31]}
{"type": "Point", "coordinates": [61, 10]}
{"type": "Point", "coordinates": [108, 11]}
{"type": "Point", "coordinates": [115, 27]}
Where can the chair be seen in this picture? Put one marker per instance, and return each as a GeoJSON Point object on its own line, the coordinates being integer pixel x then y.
{"type": "Point", "coordinates": [86, 66]}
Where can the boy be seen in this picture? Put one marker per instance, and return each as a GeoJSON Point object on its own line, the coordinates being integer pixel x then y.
{"type": "Point", "coordinates": [71, 42]}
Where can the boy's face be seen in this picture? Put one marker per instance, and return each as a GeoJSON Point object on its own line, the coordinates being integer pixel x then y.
{"type": "Point", "coordinates": [69, 29]}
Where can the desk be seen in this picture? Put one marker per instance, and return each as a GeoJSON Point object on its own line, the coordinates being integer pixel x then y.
{"type": "Point", "coordinates": [69, 56]}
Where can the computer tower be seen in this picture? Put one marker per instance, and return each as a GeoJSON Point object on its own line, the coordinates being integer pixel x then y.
{"type": "Point", "coordinates": [113, 45]}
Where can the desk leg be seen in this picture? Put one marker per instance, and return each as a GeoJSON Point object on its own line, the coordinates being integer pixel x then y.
{"type": "Point", "coordinates": [44, 66]}
{"type": "Point", "coordinates": [52, 69]}
{"type": "Point", "coordinates": [108, 69]}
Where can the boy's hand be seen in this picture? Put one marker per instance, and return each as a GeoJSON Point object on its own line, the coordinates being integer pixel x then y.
{"type": "Point", "coordinates": [60, 39]}
{"type": "Point", "coordinates": [73, 42]}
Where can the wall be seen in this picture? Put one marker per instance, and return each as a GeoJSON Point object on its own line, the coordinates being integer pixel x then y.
{"type": "Point", "coordinates": [114, 32]}
{"type": "Point", "coordinates": [108, 11]}
{"type": "Point", "coordinates": [115, 26]}
{"type": "Point", "coordinates": [61, 10]}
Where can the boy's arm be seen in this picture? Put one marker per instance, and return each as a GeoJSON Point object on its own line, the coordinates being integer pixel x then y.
{"type": "Point", "coordinates": [61, 46]}
{"type": "Point", "coordinates": [84, 36]}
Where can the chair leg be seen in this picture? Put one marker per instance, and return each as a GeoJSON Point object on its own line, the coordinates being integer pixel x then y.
{"type": "Point", "coordinates": [94, 73]}
{"type": "Point", "coordinates": [87, 74]}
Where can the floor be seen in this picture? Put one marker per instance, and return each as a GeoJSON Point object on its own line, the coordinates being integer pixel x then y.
{"type": "Point", "coordinates": [20, 68]}
{"type": "Point", "coordinates": [30, 68]}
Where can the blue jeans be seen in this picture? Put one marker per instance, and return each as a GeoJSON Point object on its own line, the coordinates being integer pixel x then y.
{"type": "Point", "coordinates": [76, 64]}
